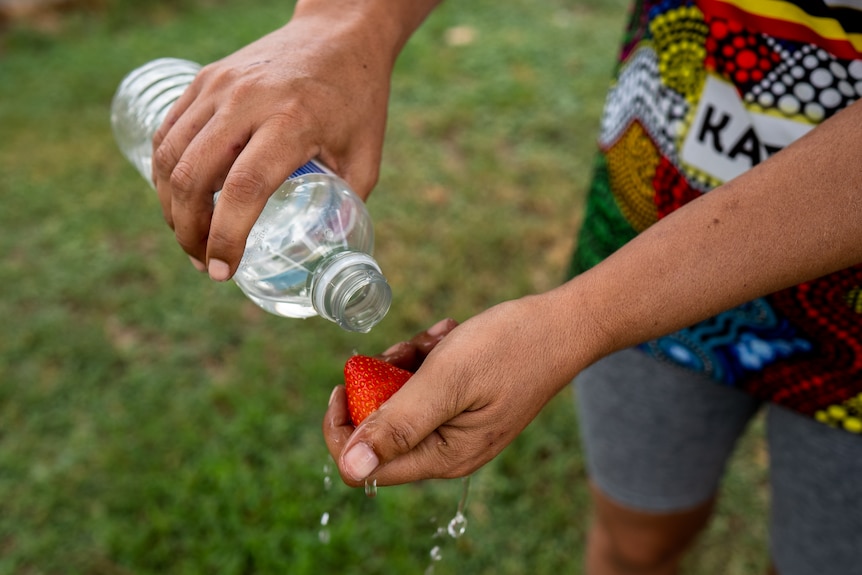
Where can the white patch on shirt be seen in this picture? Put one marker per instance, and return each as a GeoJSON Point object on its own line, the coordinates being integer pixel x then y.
{"type": "Point", "coordinates": [725, 139]}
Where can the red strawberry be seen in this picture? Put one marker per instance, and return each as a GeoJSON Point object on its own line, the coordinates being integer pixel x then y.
{"type": "Point", "coordinates": [370, 382]}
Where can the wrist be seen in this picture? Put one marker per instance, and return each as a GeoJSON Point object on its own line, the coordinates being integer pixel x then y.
{"type": "Point", "coordinates": [584, 322]}
{"type": "Point", "coordinates": [559, 332]}
{"type": "Point", "coordinates": [384, 24]}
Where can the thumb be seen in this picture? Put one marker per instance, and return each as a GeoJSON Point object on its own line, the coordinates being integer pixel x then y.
{"type": "Point", "coordinates": [401, 442]}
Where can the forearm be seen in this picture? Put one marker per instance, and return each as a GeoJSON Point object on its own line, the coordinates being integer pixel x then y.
{"type": "Point", "coordinates": [793, 218]}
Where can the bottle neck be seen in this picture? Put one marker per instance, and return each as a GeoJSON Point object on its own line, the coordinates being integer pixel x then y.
{"type": "Point", "coordinates": [349, 289]}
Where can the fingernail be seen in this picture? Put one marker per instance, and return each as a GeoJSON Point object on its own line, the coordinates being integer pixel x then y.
{"type": "Point", "coordinates": [219, 270]}
{"type": "Point", "coordinates": [438, 328]}
{"type": "Point", "coordinates": [199, 265]}
{"type": "Point", "coordinates": [360, 461]}
{"type": "Point", "coordinates": [332, 395]}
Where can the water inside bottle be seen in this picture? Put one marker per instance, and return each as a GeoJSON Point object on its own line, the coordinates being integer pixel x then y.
{"type": "Point", "coordinates": [288, 243]}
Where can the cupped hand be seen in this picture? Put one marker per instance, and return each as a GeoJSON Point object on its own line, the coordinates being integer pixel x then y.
{"type": "Point", "coordinates": [476, 390]}
{"type": "Point", "coordinates": [312, 89]}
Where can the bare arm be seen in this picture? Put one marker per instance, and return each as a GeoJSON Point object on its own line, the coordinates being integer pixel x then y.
{"type": "Point", "coordinates": [796, 217]}
{"type": "Point", "coordinates": [793, 218]}
{"type": "Point", "coordinates": [316, 87]}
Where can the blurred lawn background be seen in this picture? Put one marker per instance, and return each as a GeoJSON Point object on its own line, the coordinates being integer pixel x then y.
{"type": "Point", "coordinates": [152, 421]}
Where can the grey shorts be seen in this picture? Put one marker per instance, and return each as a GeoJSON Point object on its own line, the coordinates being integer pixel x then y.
{"type": "Point", "coordinates": [657, 438]}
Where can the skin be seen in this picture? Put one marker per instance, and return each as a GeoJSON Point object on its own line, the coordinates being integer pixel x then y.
{"type": "Point", "coordinates": [318, 88]}
{"type": "Point", "coordinates": [489, 377]}
{"type": "Point", "coordinates": [492, 374]}
{"type": "Point", "coordinates": [623, 541]}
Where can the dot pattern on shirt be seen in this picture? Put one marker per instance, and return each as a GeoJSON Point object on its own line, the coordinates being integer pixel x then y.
{"type": "Point", "coordinates": [679, 37]}
{"type": "Point", "coordinates": [631, 166]}
{"type": "Point", "coordinates": [809, 84]}
{"type": "Point", "coordinates": [743, 57]}
{"type": "Point", "coordinates": [678, 191]}
{"type": "Point", "coordinates": [846, 415]}
{"type": "Point", "coordinates": [634, 96]}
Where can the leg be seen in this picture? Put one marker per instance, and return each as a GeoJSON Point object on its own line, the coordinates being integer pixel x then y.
{"type": "Point", "coordinates": [816, 477]}
{"type": "Point", "coordinates": [657, 438]}
{"type": "Point", "coordinates": [623, 540]}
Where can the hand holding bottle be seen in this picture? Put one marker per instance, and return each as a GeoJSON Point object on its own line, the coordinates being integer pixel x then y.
{"type": "Point", "coordinates": [316, 88]}
{"type": "Point", "coordinates": [309, 251]}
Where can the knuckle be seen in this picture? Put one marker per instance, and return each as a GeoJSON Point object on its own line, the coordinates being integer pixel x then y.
{"type": "Point", "coordinates": [214, 76]}
{"type": "Point", "coordinates": [398, 436]}
{"type": "Point", "coordinates": [164, 156]}
{"type": "Point", "coordinates": [182, 179]}
{"type": "Point", "coordinates": [242, 89]}
{"type": "Point", "coordinates": [243, 186]}
{"type": "Point", "coordinates": [159, 136]}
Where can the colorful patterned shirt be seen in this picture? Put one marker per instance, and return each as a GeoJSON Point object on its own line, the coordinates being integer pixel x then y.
{"type": "Point", "coordinates": [704, 90]}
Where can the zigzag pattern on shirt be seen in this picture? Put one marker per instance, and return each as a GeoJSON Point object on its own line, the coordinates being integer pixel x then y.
{"type": "Point", "coordinates": [724, 347]}
{"type": "Point", "coordinates": [633, 97]}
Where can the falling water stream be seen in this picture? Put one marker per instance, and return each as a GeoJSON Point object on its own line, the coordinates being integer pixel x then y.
{"type": "Point", "coordinates": [455, 527]}
{"type": "Point", "coordinates": [452, 529]}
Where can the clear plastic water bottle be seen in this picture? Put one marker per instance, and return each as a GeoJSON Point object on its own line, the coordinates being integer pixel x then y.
{"type": "Point", "coordinates": [309, 253]}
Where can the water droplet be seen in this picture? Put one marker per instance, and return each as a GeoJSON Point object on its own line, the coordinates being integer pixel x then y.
{"type": "Point", "coordinates": [323, 535]}
{"type": "Point", "coordinates": [457, 526]}
{"type": "Point", "coordinates": [327, 477]}
{"type": "Point", "coordinates": [371, 488]}
{"type": "Point", "coordinates": [436, 554]}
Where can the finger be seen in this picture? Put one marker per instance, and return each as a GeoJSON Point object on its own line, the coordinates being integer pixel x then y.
{"type": "Point", "coordinates": [263, 165]}
{"type": "Point", "coordinates": [404, 355]}
{"type": "Point", "coordinates": [337, 427]}
{"type": "Point", "coordinates": [427, 340]}
{"type": "Point", "coordinates": [170, 141]}
{"type": "Point", "coordinates": [410, 354]}
{"type": "Point", "coordinates": [176, 111]}
{"type": "Point", "coordinates": [198, 174]}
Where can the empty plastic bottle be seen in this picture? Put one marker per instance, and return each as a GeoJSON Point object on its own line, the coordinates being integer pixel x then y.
{"type": "Point", "coordinates": [309, 253]}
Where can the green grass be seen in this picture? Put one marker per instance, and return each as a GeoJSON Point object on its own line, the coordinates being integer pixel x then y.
{"type": "Point", "coordinates": [154, 422]}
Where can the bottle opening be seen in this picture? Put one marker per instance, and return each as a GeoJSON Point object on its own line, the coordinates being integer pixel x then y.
{"type": "Point", "coordinates": [350, 290]}
{"type": "Point", "coordinates": [367, 306]}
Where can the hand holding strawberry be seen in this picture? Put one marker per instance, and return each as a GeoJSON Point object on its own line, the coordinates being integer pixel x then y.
{"type": "Point", "coordinates": [478, 386]}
